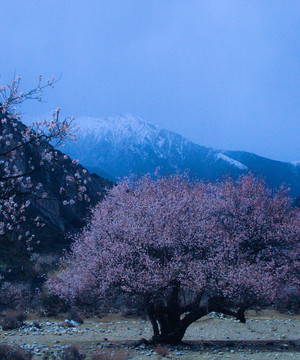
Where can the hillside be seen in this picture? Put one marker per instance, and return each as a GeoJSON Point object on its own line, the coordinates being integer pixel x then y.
{"type": "Point", "coordinates": [58, 219]}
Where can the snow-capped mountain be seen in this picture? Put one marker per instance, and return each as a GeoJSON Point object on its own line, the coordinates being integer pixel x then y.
{"type": "Point", "coordinates": [118, 146]}
{"type": "Point", "coordinates": [123, 145]}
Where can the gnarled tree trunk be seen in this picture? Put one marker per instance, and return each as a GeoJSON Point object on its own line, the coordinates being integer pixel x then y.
{"type": "Point", "coordinates": [168, 325]}
{"type": "Point", "coordinates": [170, 321]}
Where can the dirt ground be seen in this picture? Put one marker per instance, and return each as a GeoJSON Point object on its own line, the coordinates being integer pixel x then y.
{"type": "Point", "coordinates": [267, 335]}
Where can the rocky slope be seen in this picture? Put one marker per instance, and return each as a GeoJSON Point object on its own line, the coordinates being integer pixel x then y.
{"type": "Point", "coordinates": [59, 215]}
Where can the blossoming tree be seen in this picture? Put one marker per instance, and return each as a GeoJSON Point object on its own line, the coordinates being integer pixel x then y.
{"type": "Point", "coordinates": [24, 152]}
{"type": "Point", "coordinates": [184, 249]}
{"type": "Point", "coordinates": [17, 144]}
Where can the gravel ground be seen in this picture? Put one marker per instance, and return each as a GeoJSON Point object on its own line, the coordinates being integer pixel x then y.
{"type": "Point", "coordinates": [267, 335]}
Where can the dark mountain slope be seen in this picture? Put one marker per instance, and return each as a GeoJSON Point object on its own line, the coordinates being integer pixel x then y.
{"type": "Point", "coordinates": [61, 210]}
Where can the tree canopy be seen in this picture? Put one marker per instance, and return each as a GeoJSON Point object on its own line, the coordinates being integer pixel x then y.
{"type": "Point", "coordinates": [185, 248]}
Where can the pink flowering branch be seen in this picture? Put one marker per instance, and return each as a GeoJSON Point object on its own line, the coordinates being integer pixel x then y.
{"type": "Point", "coordinates": [184, 249]}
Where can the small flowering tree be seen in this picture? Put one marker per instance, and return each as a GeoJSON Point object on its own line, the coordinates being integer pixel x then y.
{"type": "Point", "coordinates": [24, 152]}
{"type": "Point", "coordinates": [18, 144]}
{"type": "Point", "coordinates": [184, 249]}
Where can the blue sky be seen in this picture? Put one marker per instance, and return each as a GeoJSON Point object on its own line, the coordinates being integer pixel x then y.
{"type": "Point", "coordinates": [223, 73]}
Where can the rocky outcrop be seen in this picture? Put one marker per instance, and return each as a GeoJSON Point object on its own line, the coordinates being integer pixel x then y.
{"type": "Point", "coordinates": [64, 210]}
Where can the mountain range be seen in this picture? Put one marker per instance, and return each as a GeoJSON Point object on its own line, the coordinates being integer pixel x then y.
{"type": "Point", "coordinates": [115, 147]}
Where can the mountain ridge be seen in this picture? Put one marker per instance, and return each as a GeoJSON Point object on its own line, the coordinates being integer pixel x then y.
{"type": "Point", "coordinates": [124, 145]}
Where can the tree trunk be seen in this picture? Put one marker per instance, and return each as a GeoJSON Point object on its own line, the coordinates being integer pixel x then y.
{"type": "Point", "coordinates": [170, 321]}
{"type": "Point", "coordinates": [168, 331]}
{"type": "Point", "coordinates": [168, 327]}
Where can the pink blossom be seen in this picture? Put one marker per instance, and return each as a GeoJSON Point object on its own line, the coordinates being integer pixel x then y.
{"type": "Point", "coordinates": [185, 248]}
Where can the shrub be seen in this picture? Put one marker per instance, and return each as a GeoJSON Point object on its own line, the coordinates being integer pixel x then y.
{"type": "Point", "coordinates": [67, 324]}
{"type": "Point", "coordinates": [51, 305]}
{"type": "Point", "coordinates": [290, 301]}
{"type": "Point", "coordinates": [69, 353]}
{"type": "Point", "coordinates": [121, 355]}
{"type": "Point", "coordinates": [75, 316]}
{"type": "Point", "coordinates": [42, 264]}
{"type": "Point", "coordinates": [21, 317]}
{"type": "Point", "coordinates": [12, 320]}
{"type": "Point", "coordinates": [36, 324]}
{"type": "Point", "coordinates": [109, 355]}
{"type": "Point", "coordinates": [14, 353]}
{"type": "Point", "coordinates": [161, 350]}
{"type": "Point", "coordinates": [14, 295]}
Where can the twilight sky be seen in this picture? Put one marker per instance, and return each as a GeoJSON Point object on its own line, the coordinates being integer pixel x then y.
{"type": "Point", "coordinates": [222, 73]}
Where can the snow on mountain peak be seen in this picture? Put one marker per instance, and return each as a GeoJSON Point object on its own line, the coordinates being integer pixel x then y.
{"type": "Point", "coordinates": [296, 163]}
{"type": "Point", "coordinates": [117, 127]}
{"type": "Point", "coordinates": [118, 146]}
{"type": "Point", "coordinates": [231, 161]}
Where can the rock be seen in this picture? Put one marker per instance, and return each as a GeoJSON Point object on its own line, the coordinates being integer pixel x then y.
{"type": "Point", "coordinates": [72, 322]}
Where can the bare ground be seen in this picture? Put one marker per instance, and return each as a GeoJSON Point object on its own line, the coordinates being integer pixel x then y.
{"type": "Point", "coordinates": [267, 335]}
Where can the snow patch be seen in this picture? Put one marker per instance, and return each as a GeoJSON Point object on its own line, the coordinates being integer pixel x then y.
{"type": "Point", "coordinates": [231, 161]}
{"type": "Point", "coordinates": [128, 131]}
{"type": "Point", "coordinates": [296, 163]}
{"type": "Point", "coordinates": [160, 141]}
{"type": "Point", "coordinates": [117, 128]}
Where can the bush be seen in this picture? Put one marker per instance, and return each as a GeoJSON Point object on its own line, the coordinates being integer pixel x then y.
{"type": "Point", "coordinates": [75, 316]}
{"type": "Point", "coordinates": [290, 301]}
{"type": "Point", "coordinates": [67, 324]}
{"type": "Point", "coordinates": [117, 355]}
{"type": "Point", "coordinates": [12, 320]}
{"type": "Point", "coordinates": [36, 324]}
{"type": "Point", "coordinates": [13, 295]}
{"type": "Point", "coordinates": [51, 305]}
{"type": "Point", "coordinates": [161, 350]}
{"type": "Point", "coordinates": [42, 264]}
{"type": "Point", "coordinates": [14, 353]}
{"type": "Point", "coordinates": [21, 316]}
{"type": "Point", "coordinates": [69, 353]}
